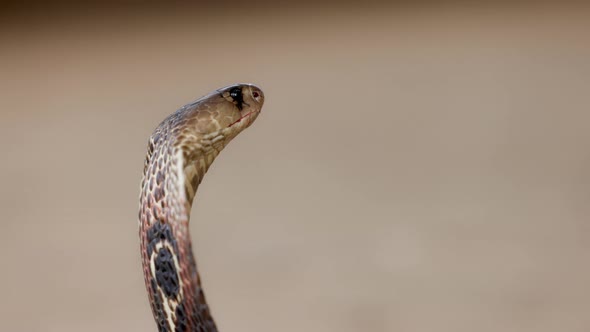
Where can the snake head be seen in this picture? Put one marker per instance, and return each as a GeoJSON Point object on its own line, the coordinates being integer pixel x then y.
{"type": "Point", "coordinates": [214, 120]}
{"type": "Point", "coordinates": [247, 99]}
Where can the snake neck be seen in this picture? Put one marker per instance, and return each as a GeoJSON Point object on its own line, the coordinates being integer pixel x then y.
{"type": "Point", "coordinates": [172, 174]}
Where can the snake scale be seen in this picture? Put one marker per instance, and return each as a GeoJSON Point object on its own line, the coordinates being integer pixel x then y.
{"type": "Point", "coordinates": [180, 151]}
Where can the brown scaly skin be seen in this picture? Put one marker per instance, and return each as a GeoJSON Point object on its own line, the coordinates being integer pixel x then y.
{"type": "Point", "coordinates": [180, 151]}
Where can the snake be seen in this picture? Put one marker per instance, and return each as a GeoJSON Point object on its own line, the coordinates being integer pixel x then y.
{"type": "Point", "coordinates": [180, 151]}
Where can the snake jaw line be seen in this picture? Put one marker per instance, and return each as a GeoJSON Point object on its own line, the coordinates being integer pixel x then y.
{"type": "Point", "coordinates": [240, 119]}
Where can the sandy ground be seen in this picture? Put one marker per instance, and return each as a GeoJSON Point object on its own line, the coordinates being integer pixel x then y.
{"type": "Point", "coordinates": [422, 169]}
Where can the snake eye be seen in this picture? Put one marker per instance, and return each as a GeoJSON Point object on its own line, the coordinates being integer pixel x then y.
{"type": "Point", "coordinates": [236, 95]}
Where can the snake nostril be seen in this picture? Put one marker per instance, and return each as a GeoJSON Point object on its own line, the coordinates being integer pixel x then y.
{"type": "Point", "coordinates": [255, 94]}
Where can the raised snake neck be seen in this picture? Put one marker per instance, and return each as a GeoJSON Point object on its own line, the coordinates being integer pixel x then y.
{"type": "Point", "coordinates": [180, 151]}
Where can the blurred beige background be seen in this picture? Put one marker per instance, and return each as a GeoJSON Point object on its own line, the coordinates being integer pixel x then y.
{"type": "Point", "coordinates": [414, 168]}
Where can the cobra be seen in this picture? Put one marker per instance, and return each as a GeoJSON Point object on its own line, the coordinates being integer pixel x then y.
{"type": "Point", "coordinates": [180, 151]}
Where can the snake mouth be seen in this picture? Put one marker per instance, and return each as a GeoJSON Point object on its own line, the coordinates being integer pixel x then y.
{"type": "Point", "coordinates": [243, 117]}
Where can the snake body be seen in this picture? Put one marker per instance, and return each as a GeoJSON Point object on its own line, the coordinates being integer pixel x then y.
{"type": "Point", "coordinates": [180, 151]}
